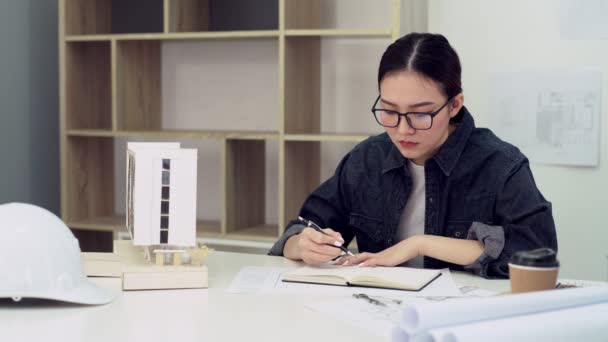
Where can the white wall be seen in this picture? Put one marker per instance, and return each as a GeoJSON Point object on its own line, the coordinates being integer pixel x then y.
{"type": "Point", "coordinates": [522, 35]}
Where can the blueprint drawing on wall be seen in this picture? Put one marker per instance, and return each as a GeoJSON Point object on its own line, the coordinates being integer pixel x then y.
{"type": "Point", "coordinates": [554, 118]}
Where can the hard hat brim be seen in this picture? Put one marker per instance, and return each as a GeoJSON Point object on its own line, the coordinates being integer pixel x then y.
{"type": "Point", "coordinates": [85, 293]}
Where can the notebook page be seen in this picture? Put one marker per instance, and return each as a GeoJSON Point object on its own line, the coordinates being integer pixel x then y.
{"type": "Point", "coordinates": [413, 277]}
{"type": "Point", "coordinates": [344, 272]}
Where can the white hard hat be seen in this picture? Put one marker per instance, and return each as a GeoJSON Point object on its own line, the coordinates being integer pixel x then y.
{"type": "Point", "coordinates": [40, 258]}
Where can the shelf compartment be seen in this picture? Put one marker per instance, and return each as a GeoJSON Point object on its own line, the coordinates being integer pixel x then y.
{"type": "Point", "coordinates": [185, 102]}
{"type": "Point", "coordinates": [302, 175]}
{"type": "Point", "coordinates": [347, 15]}
{"type": "Point", "coordinates": [89, 17]}
{"type": "Point", "coordinates": [88, 86]}
{"type": "Point", "coordinates": [307, 164]}
{"type": "Point", "coordinates": [349, 84]}
{"type": "Point", "coordinates": [138, 82]}
{"type": "Point", "coordinates": [331, 83]}
{"type": "Point", "coordinates": [246, 169]}
{"type": "Point", "coordinates": [330, 72]}
{"type": "Point", "coordinates": [137, 16]}
{"type": "Point", "coordinates": [222, 15]}
{"type": "Point", "coordinates": [212, 86]}
{"type": "Point", "coordinates": [207, 228]}
{"type": "Point", "coordinates": [90, 190]}
{"type": "Point", "coordinates": [263, 233]}
{"type": "Point", "coordinates": [302, 14]}
{"type": "Point", "coordinates": [302, 93]}
{"type": "Point", "coordinates": [188, 15]}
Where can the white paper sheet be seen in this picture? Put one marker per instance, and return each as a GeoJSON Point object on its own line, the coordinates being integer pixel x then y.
{"type": "Point", "coordinates": [554, 118]}
{"type": "Point", "coordinates": [267, 280]}
{"type": "Point", "coordinates": [374, 318]}
{"type": "Point", "coordinates": [255, 279]}
{"type": "Point", "coordinates": [420, 318]}
{"type": "Point", "coordinates": [580, 283]}
{"type": "Point", "coordinates": [380, 314]}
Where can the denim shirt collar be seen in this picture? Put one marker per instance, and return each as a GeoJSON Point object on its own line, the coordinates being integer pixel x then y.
{"type": "Point", "coordinates": [448, 153]}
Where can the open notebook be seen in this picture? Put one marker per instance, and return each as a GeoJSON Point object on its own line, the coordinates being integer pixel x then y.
{"type": "Point", "coordinates": [398, 278]}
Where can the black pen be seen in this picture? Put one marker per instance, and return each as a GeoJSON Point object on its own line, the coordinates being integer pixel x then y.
{"type": "Point", "coordinates": [316, 227]}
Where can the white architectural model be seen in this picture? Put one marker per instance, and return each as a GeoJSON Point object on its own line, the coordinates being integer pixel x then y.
{"type": "Point", "coordinates": [161, 197]}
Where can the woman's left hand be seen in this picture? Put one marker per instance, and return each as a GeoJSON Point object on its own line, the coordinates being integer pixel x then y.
{"type": "Point", "coordinates": [403, 251]}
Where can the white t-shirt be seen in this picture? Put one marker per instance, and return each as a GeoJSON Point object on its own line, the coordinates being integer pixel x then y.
{"type": "Point", "coordinates": [412, 218]}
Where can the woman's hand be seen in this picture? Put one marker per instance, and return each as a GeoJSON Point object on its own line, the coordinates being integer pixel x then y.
{"type": "Point", "coordinates": [403, 251]}
{"type": "Point", "coordinates": [456, 251]}
{"type": "Point", "coordinates": [314, 248]}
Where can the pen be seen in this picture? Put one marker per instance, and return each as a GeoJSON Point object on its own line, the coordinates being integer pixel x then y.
{"type": "Point", "coordinates": [316, 227]}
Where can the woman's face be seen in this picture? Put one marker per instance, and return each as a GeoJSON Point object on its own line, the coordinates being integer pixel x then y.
{"type": "Point", "coordinates": [407, 91]}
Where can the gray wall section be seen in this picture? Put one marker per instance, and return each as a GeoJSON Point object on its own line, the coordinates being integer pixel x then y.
{"type": "Point", "coordinates": [29, 119]}
{"type": "Point", "coordinates": [14, 100]}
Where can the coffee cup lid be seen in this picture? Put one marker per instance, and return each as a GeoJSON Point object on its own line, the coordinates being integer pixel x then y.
{"type": "Point", "coordinates": [541, 257]}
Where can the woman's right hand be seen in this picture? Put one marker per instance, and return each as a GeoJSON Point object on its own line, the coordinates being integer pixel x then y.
{"type": "Point", "coordinates": [313, 247]}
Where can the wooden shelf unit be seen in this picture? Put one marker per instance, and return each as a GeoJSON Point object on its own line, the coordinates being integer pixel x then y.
{"type": "Point", "coordinates": [110, 88]}
{"type": "Point", "coordinates": [176, 134]}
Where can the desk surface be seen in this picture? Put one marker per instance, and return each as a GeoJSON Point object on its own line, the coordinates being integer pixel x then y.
{"type": "Point", "coordinates": [190, 315]}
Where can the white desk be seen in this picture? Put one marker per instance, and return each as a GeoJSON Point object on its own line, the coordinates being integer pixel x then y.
{"type": "Point", "coordinates": [189, 315]}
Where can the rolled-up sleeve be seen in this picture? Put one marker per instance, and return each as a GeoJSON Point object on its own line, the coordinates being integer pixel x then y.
{"type": "Point", "coordinates": [523, 221]}
{"type": "Point", "coordinates": [493, 240]}
{"type": "Point", "coordinates": [277, 248]}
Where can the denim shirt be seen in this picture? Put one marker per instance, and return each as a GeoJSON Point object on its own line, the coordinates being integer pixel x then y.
{"type": "Point", "coordinates": [477, 187]}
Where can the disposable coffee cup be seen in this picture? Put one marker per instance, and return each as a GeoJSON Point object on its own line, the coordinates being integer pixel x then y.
{"type": "Point", "coordinates": [534, 270]}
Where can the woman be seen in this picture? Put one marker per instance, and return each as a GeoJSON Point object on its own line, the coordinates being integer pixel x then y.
{"type": "Point", "coordinates": [434, 190]}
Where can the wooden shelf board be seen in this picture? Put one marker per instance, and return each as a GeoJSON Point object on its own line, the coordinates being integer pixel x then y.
{"type": "Point", "coordinates": [266, 232]}
{"type": "Point", "coordinates": [253, 34]}
{"type": "Point", "coordinates": [235, 135]}
{"type": "Point", "coordinates": [88, 38]}
{"type": "Point", "coordinates": [116, 223]}
{"type": "Point", "coordinates": [243, 135]}
{"type": "Point", "coordinates": [386, 33]}
{"type": "Point", "coordinates": [90, 133]}
{"type": "Point", "coordinates": [246, 135]}
{"type": "Point", "coordinates": [327, 137]}
{"type": "Point", "coordinates": [206, 228]}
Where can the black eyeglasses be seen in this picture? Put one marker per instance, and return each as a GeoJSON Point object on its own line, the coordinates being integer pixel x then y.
{"type": "Point", "coordinates": [416, 120]}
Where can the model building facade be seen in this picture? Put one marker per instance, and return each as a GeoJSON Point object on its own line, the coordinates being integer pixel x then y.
{"type": "Point", "coordinates": [161, 194]}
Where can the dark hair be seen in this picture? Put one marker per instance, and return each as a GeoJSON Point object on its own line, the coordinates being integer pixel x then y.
{"type": "Point", "coordinates": [428, 54]}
